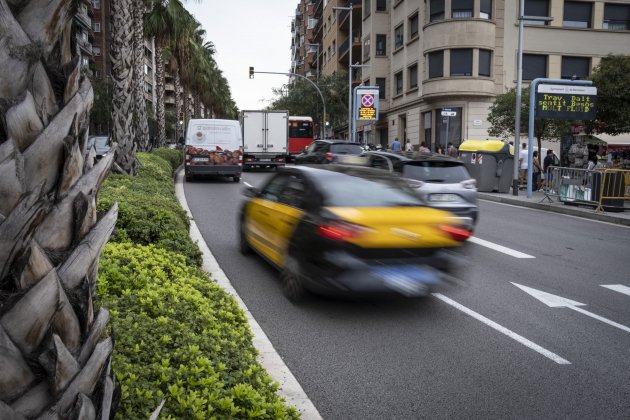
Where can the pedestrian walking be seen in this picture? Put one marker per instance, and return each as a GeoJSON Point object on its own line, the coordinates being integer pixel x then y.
{"type": "Point", "coordinates": [452, 150]}
{"type": "Point", "coordinates": [523, 165]}
{"type": "Point", "coordinates": [396, 145]}
{"type": "Point", "coordinates": [424, 148]}
{"type": "Point", "coordinates": [537, 172]}
{"type": "Point", "coordinates": [408, 147]}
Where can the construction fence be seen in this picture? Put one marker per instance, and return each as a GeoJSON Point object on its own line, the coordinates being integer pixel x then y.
{"type": "Point", "coordinates": [604, 189]}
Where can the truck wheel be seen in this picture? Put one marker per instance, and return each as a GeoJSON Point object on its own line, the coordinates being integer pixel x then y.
{"type": "Point", "coordinates": [236, 178]}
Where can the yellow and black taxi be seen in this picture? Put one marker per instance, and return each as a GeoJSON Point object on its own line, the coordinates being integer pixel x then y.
{"type": "Point", "coordinates": [350, 230]}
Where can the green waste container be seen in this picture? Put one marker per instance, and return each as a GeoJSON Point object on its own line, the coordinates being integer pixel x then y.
{"type": "Point", "coordinates": [490, 162]}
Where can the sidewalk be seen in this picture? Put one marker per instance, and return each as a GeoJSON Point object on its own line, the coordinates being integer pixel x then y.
{"type": "Point", "coordinates": [539, 201]}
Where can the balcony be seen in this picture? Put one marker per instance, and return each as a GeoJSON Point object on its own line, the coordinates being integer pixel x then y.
{"type": "Point", "coordinates": [343, 20]}
{"type": "Point", "coordinates": [345, 47]}
{"type": "Point", "coordinates": [84, 43]}
{"type": "Point", "coordinates": [317, 9]}
{"type": "Point", "coordinates": [82, 17]}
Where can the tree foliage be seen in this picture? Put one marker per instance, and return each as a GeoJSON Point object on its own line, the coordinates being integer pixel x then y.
{"type": "Point", "coordinates": [612, 79]}
{"type": "Point", "coordinates": [502, 119]}
{"type": "Point", "coordinates": [301, 98]}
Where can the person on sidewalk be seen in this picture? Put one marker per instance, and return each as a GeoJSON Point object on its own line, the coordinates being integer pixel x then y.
{"type": "Point", "coordinates": [396, 145]}
{"type": "Point", "coordinates": [523, 165]}
{"type": "Point", "coordinates": [424, 148]}
{"type": "Point", "coordinates": [408, 146]}
{"type": "Point", "coordinates": [537, 171]}
{"type": "Point", "coordinates": [452, 151]}
{"type": "Point", "coordinates": [548, 162]}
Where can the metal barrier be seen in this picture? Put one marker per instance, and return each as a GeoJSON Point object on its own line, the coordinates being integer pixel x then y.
{"type": "Point", "coordinates": [603, 189]}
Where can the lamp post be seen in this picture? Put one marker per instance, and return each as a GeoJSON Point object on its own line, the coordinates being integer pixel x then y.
{"type": "Point", "coordinates": [349, 9]}
{"type": "Point", "coordinates": [519, 88]}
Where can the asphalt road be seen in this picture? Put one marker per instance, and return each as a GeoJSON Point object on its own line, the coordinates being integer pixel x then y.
{"type": "Point", "coordinates": [484, 349]}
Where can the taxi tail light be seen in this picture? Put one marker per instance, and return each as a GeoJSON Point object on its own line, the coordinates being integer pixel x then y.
{"type": "Point", "coordinates": [456, 232]}
{"type": "Point", "coordinates": [328, 156]}
{"type": "Point", "coordinates": [339, 231]}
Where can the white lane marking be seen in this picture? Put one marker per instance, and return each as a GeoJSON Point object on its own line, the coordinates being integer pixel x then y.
{"type": "Point", "coordinates": [617, 288]}
{"type": "Point", "coordinates": [247, 184]}
{"type": "Point", "coordinates": [499, 248]}
{"type": "Point", "coordinates": [554, 301]}
{"type": "Point", "coordinates": [527, 343]}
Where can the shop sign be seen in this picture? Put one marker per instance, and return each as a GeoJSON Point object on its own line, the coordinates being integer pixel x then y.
{"type": "Point", "coordinates": [566, 102]}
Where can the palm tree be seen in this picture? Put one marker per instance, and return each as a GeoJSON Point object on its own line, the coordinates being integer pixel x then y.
{"type": "Point", "coordinates": [140, 110]}
{"type": "Point", "coordinates": [54, 349]}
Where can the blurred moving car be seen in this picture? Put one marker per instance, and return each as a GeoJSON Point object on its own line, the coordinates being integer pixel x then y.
{"type": "Point", "coordinates": [327, 151]}
{"type": "Point", "coordinates": [349, 230]}
{"type": "Point", "coordinates": [443, 182]}
{"type": "Point", "coordinates": [101, 145]}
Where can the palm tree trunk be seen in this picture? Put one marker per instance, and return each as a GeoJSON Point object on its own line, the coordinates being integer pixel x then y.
{"type": "Point", "coordinates": [160, 113]}
{"type": "Point", "coordinates": [140, 109]}
{"type": "Point", "coordinates": [197, 100]}
{"type": "Point", "coordinates": [122, 71]}
{"type": "Point", "coordinates": [178, 102]}
{"type": "Point", "coordinates": [186, 106]}
{"type": "Point", "coordinates": [55, 355]}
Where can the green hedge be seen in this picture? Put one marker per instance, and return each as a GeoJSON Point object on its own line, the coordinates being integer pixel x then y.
{"type": "Point", "coordinates": [149, 212]}
{"type": "Point", "coordinates": [182, 338]}
{"type": "Point", "coordinates": [173, 156]}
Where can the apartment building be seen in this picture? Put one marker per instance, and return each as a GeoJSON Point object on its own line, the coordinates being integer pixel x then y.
{"type": "Point", "coordinates": [430, 55]}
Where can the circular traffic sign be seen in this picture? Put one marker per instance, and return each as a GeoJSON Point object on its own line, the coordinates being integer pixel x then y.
{"type": "Point", "coordinates": [367, 100]}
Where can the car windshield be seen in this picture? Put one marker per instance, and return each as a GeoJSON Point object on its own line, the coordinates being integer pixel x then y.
{"type": "Point", "coordinates": [436, 171]}
{"type": "Point", "coordinates": [100, 141]}
{"type": "Point", "coordinates": [353, 191]}
{"type": "Point", "coordinates": [346, 149]}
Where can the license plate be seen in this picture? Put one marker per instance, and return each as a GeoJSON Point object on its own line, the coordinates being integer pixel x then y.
{"type": "Point", "coordinates": [408, 280]}
{"type": "Point", "coordinates": [443, 198]}
{"type": "Point", "coordinates": [200, 159]}
{"type": "Point", "coordinates": [265, 160]}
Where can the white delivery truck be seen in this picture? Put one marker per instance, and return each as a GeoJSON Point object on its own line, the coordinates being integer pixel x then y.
{"type": "Point", "coordinates": [265, 138]}
{"type": "Point", "coordinates": [213, 147]}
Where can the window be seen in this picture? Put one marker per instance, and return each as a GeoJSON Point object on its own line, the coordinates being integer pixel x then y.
{"type": "Point", "coordinates": [413, 76]}
{"type": "Point", "coordinates": [436, 64]}
{"type": "Point", "coordinates": [536, 8]}
{"type": "Point", "coordinates": [534, 66]}
{"type": "Point", "coordinates": [617, 17]}
{"type": "Point", "coordinates": [148, 88]}
{"type": "Point", "coordinates": [462, 9]}
{"type": "Point", "coordinates": [381, 83]}
{"type": "Point", "coordinates": [96, 4]}
{"type": "Point", "coordinates": [485, 9]}
{"type": "Point", "coordinates": [436, 10]}
{"type": "Point", "coordinates": [398, 79]}
{"type": "Point", "coordinates": [366, 8]}
{"type": "Point", "coordinates": [485, 63]}
{"type": "Point", "coordinates": [577, 14]}
{"type": "Point", "coordinates": [334, 47]}
{"type": "Point", "coordinates": [366, 48]}
{"type": "Point", "coordinates": [426, 117]}
{"type": "Point", "coordinates": [413, 26]}
{"type": "Point", "coordinates": [580, 67]}
{"type": "Point", "coordinates": [398, 37]}
{"type": "Point", "coordinates": [96, 27]}
{"type": "Point", "coordinates": [96, 51]}
{"type": "Point", "coordinates": [461, 62]}
{"type": "Point", "coordinates": [97, 74]}
{"type": "Point", "coordinates": [381, 45]}
{"type": "Point", "coordinates": [381, 5]}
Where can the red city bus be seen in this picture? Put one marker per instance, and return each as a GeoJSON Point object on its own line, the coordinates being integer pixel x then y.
{"type": "Point", "coordinates": [300, 134]}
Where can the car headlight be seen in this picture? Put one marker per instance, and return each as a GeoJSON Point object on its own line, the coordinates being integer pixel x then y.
{"type": "Point", "coordinates": [469, 184]}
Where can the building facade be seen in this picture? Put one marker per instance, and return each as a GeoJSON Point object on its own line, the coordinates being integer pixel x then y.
{"type": "Point", "coordinates": [439, 64]}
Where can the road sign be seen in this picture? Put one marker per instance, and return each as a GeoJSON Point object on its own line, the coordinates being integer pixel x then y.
{"type": "Point", "coordinates": [366, 100]}
{"type": "Point", "coordinates": [448, 112]}
{"type": "Point", "coordinates": [566, 102]}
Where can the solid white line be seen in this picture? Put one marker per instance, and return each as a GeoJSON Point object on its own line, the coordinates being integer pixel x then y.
{"type": "Point", "coordinates": [247, 184]}
{"type": "Point", "coordinates": [504, 330]}
{"type": "Point", "coordinates": [268, 357]}
{"type": "Point", "coordinates": [599, 318]}
{"type": "Point", "coordinates": [617, 288]}
{"type": "Point", "coordinates": [499, 248]}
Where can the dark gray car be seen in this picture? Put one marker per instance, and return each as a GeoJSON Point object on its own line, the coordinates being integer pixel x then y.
{"type": "Point", "coordinates": [327, 151]}
{"type": "Point", "coordinates": [443, 182]}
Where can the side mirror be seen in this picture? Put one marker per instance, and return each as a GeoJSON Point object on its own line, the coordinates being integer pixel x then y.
{"type": "Point", "coordinates": [251, 192]}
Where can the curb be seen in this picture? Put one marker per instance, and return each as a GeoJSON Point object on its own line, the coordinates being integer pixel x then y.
{"type": "Point", "coordinates": [564, 209]}
{"type": "Point", "coordinates": [270, 360]}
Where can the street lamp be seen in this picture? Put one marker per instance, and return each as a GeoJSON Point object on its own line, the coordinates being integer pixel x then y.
{"type": "Point", "coordinates": [349, 9]}
{"type": "Point", "coordinates": [519, 87]}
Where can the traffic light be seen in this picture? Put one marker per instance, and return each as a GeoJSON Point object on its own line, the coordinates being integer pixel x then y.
{"type": "Point", "coordinates": [251, 72]}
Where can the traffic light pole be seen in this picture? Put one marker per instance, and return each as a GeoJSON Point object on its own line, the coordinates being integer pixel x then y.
{"type": "Point", "coordinates": [323, 125]}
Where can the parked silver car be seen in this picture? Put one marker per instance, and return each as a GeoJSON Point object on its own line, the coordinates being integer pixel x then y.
{"type": "Point", "coordinates": [443, 182]}
{"type": "Point", "coordinates": [101, 144]}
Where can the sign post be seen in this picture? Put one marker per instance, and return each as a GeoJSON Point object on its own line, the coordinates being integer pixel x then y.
{"type": "Point", "coordinates": [448, 113]}
{"type": "Point", "coordinates": [557, 99]}
{"type": "Point", "coordinates": [366, 99]}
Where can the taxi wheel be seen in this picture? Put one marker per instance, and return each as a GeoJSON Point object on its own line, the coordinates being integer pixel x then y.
{"type": "Point", "coordinates": [243, 245]}
{"type": "Point", "coordinates": [292, 285]}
